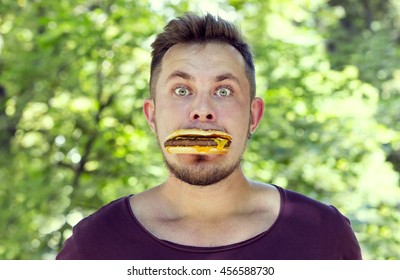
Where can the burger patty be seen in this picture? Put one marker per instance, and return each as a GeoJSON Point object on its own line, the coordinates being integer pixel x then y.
{"type": "Point", "coordinates": [192, 142]}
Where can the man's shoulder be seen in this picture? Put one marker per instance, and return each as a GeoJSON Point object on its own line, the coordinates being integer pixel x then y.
{"type": "Point", "coordinates": [106, 226]}
{"type": "Point", "coordinates": [300, 206]}
{"type": "Point", "coordinates": [110, 213]}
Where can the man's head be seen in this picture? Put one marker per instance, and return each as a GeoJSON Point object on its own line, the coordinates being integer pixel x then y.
{"type": "Point", "coordinates": [204, 84]}
{"type": "Point", "coordinates": [200, 30]}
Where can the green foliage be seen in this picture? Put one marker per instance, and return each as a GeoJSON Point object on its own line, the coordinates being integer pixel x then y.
{"type": "Point", "coordinates": [73, 76]}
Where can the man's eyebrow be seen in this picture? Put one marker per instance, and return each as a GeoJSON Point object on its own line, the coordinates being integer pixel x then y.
{"type": "Point", "coordinates": [180, 74]}
{"type": "Point", "coordinates": [187, 76]}
{"type": "Point", "coordinates": [226, 76]}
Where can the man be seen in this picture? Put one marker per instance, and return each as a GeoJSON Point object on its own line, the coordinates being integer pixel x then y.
{"type": "Point", "coordinates": [202, 79]}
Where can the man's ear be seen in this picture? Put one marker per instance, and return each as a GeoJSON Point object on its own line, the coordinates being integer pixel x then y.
{"type": "Point", "coordinates": [256, 113]}
{"type": "Point", "coordinates": [149, 112]}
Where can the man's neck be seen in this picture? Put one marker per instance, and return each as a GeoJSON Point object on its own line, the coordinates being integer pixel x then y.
{"type": "Point", "coordinates": [231, 211]}
{"type": "Point", "coordinates": [206, 202]}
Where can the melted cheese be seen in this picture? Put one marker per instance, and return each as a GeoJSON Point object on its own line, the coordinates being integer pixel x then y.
{"type": "Point", "coordinates": [220, 143]}
{"type": "Point", "coordinates": [202, 149]}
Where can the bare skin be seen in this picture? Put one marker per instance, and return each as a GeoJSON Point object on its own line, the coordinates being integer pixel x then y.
{"type": "Point", "coordinates": [207, 218]}
{"type": "Point", "coordinates": [208, 86]}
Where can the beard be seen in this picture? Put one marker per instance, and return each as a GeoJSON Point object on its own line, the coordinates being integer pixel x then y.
{"type": "Point", "coordinates": [200, 173]}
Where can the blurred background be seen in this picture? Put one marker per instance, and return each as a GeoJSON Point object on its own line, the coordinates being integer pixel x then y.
{"type": "Point", "coordinates": [73, 76]}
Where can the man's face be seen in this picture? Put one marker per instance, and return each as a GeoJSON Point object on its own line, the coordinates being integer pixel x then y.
{"type": "Point", "coordinates": [203, 86]}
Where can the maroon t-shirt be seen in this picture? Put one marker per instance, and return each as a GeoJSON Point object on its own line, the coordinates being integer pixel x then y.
{"type": "Point", "coordinates": [305, 229]}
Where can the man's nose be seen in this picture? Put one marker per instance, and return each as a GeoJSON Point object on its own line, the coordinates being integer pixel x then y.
{"type": "Point", "coordinates": [202, 110]}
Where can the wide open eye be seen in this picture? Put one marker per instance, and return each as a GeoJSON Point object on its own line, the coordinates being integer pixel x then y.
{"type": "Point", "coordinates": [181, 91]}
{"type": "Point", "coordinates": [223, 92]}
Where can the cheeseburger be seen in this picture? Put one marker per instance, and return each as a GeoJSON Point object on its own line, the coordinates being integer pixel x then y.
{"type": "Point", "coordinates": [197, 141]}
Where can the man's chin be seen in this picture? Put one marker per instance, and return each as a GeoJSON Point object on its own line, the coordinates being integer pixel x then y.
{"type": "Point", "coordinates": [200, 171]}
